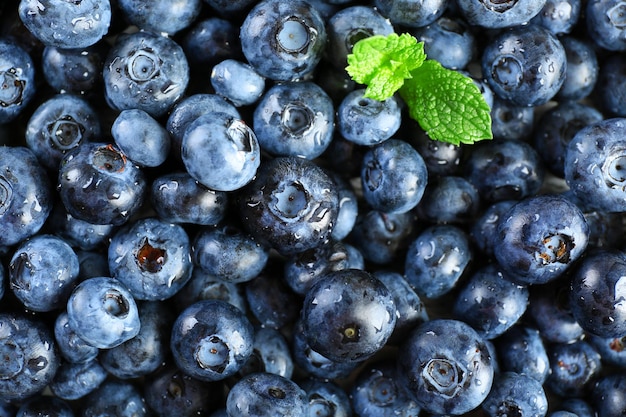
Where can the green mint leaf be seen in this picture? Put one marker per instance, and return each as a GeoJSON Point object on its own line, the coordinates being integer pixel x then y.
{"type": "Point", "coordinates": [447, 104]}
{"type": "Point", "coordinates": [384, 62]}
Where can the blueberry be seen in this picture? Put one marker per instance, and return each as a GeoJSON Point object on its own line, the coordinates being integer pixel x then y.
{"type": "Point", "coordinates": [611, 85]}
{"type": "Point", "coordinates": [229, 254]}
{"type": "Point", "coordinates": [605, 23]}
{"type": "Point", "coordinates": [382, 237]}
{"type": "Point", "coordinates": [229, 7]}
{"type": "Point", "coordinates": [612, 350]}
{"type": "Point", "coordinates": [366, 121]}
{"type": "Point", "coordinates": [607, 397]}
{"type": "Point", "coordinates": [170, 392]}
{"type": "Point", "coordinates": [556, 128]}
{"type": "Point", "coordinates": [114, 397]}
{"type": "Point", "coordinates": [271, 353]}
{"type": "Point", "coordinates": [161, 16]}
{"type": "Point", "coordinates": [582, 70]}
{"type": "Point", "coordinates": [410, 309]}
{"type": "Point", "coordinates": [596, 291]}
{"type": "Point", "coordinates": [211, 40]}
{"type": "Point", "coordinates": [145, 71]}
{"type": "Point", "coordinates": [593, 165]}
{"type": "Point", "coordinates": [449, 199]}
{"type": "Point", "coordinates": [304, 269]}
{"type": "Point", "coordinates": [42, 272]}
{"type": "Point", "coordinates": [25, 195]}
{"type": "Point", "coordinates": [211, 340]}
{"type": "Point", "coordinates": [315, 364]}
{"type": "Point", "coordinates": [449, 41]}
{"type": "Point", "coordinates": [440, 158]}
{"type": "Point", "coordinates": [326, 398]}
{"type": "Point", "coordinates": [295, 119]}
{"type": "Point", "coordinates": [151, 258]}
{"type": "Point", "coordinates": [483, 232]}
{"type": "Point", "coordinates": [489, 302]}
{"type": "Point", "coordinates": [539, 238]}
{"type": "Point", "coordinates": [71, 347]}
{"type": "Point", "coordinates": [291, 205]}
{"type": "Point", "coordinates": [355, 309]}
{"type": "Point", "coordinates": [17, 80]}
{"type": "Point", "coordinates": [44, 405]}
{"type": "Point", "coordinates": [141, 137]}
{"type": "Point", "coordinates": [220, 152]}
{"type": "Point", "coordinates": [348, 207]}
{"type": "Point", "coordinates": [66, 24]}
{"type": "Point", "coordinates": [283, 39]}
{"type": "Point", "coordinates": [102, 312]}
{"type": "Point", "coordinates": [505, 170]}
{"type": "Point", "coordinates": [558, 16]}
{"type": "Point", "coordinates": [552, 314]}
{"type": "Point", "coordinates": [189, 109]}
{"type": "Point", "coordinates": [30, 358]}
{"type": "Point", "coordinates": [59, 125]}
{"type": "Point", "coordinates": [74, 71]}
{"type": "Point", "coordinates": [76, 380]}
{"type": "Point", "coordinates": [446, 367]}
{"type": "Point", "coordinates": [499, 14]}
{"type": "Point", "coordinates": [271, 301]}
{"type": "Point", "coordinates": [521, 349]}
{"type": "Point", "coordinates": [393, 176]}
{"type": "Point", "coordinates": [516, 394]}
{"type": "Point", "coordinates": [97, 183]}
{"type": "Point", "coordinates": [510, 121]}
{"type": "Point", "coordinates": [204, 286]}
{"type": "Point", "coordinates": [411, 13]}
{"type": "Point", "coordinates": [146, 352]}
{"type": "Point", "coordinates": [178, 198]}
{"type": "Point", "coordinates": [237, 81]}
{"type": "Point", "coordinates": [574, 367]}
{"type": "Point", "coordinates": [436, 259]}
{"type": "Point", "coordinates": [378, 392]}
{"type": "Point", "coordinates": [349, 25]}
{"type": "Point", "coordinates": [524, 65]}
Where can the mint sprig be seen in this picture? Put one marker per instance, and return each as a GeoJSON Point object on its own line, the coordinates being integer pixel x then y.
{"type": "Point", "coordinates": [445, 103]}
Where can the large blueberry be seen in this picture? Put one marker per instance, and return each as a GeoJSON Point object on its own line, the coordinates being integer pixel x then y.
{"type": "Point", "coordinates": [17, 80]}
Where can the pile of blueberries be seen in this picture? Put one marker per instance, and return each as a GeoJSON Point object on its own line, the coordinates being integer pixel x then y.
{"type": "Point", "coordinates": [201, 214]}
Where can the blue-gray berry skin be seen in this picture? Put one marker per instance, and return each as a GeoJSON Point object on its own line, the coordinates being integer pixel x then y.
{"type": "Point", "coordinates": [160, 16]}
{"type": "Point", "coordinates": [178, 198]}
{"type": "Point", "coordinates": [495, 15]}
{"type": "Point", "coordinates": [146, 71]}
{"type": "Point", "coordinates": [582, 70]}
{"type": "Point", "coordinates": [97, 183]}
{"type": "Point", "coordinates": [25, 195]}
{"type": "Point", "coordinates": [66, 24]}
{"type": "Point", "coordinates": [229, 254]}
{"type": "Point", "coordinates": [521, 349]}
{"type": "Point", "coordinates": [211, 340]}
{"type": "Point", "coordinates": [326, 398]}
{"type": "Point", "coordinates": [262, 394]}
{"type": "Point", "coordinates": [393, 176]}
{"type": "Point", "coordinates": [41, 405]}
{"type": "Point", "coordinates": [146, 352]}
{"type": "Point", "coordinates": [17, 76]}
{"type": "Point", "coordinates": [75, 380]}
{"type": "Point", "coordinates": [449, 41]}
{"type": "Point", "coordinates": [151, 257]}
{"type": "Point", "coordinates": [356, 310]}
{"type": "Point", "coordinates": [115, 397]}
{"type": "Point", "coordinates": [611, 86]}
{"type": "Point", "coordinates": [221, 152]}
{"type": "Point", "coordinates": [593, 167]}
{"type": "Point", "coordinates": [271, 353]}
{"type": "Point", "coordinates": [204, 286]}
{"type": "Point", "coordinates": [604, 22]}
{"type": "Point", "coordinates": [518, 394]}
{"type": "Point", "coordinates": [366, 121]}
{"type": "Point", "coordinates": [141, 137]}
{"type": "Point", "coordinates": [30, 356]}
{"type": "Point", "coordinates": [238, 82]}
{"type": "Point", "coordinates": [59, 125]}
{"type": "Point", "coordinates": [524, 65]}
{"type": "Point", "coordinates": [295, 119]}
{"type": "Point", "coordinates": [411, 13]}
{"type": "Point", "coordinates": [540, 238]}
{"type": "Point", "coordinates": [71, 347]}
{"type": "Point", "coordinates": [574, 368]}
{"type": "Point", "coordinates": [446, 367]}
{"type": "Point", "coordinates": [74, 71]}
{"type": "Point", "coordinates": [283, 40]}
{"type": "Point", "coordinates": [42, 272]}
{"type": "Point", "coordinates": [103, 313]}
